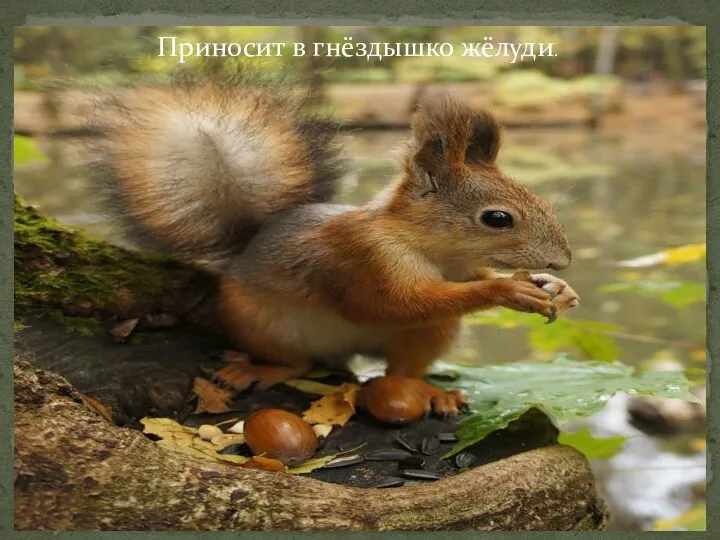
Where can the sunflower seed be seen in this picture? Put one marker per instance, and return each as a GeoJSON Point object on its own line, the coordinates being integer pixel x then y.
{"type": "Point", "coordinates": [387, 455]}
{"type": "Point", "coordinates": [446, 437]}
{"type": "Point", "coordinates": [344, 461]}
{"type": "Point", "coordinates": [440, 467]}
{"type": "Point", "coordinates": [405, 443]}
{"type": "Point", "coordinates": [464, 459]}
{"type": "Point", "coordinates": [389, 483]}
{"type": "Point", "coordinates": [234, 449]}
{"type": "Point", "coordinates": [430, 445]}
{"type": "Point", "coordinates": [421, 474]}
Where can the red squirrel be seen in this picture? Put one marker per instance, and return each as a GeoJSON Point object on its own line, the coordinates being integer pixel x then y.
{"type": "Point", "coordinates": [241, 178]}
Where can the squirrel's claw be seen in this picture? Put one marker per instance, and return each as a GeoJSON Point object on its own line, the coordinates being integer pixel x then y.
{"type": "Point", "coordinates": [552, 317]}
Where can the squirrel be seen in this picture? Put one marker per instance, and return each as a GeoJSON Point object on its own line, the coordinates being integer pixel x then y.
{"type": "Point", "coordinates": [240, 178]}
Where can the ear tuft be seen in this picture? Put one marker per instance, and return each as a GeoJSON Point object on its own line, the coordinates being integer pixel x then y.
{"type": "Point", "coordinates": [450, 133]}
{"type": "Point", "coordinates": [431, 154]}
{"type": "Point", "coordinates": [484, 141]}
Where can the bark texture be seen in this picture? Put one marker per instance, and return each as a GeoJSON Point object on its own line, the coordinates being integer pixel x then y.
{"type": "Point", "coordinates": [76, 471]}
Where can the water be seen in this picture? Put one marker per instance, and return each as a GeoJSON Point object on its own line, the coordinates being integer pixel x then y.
{"type": "Point", "coordinates": [618, 199]}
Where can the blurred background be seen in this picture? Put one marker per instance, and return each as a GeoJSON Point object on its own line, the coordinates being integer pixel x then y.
{"type": "Point", "coordinates": [611, 130]}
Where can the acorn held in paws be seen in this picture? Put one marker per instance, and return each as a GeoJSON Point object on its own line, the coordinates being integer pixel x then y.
{"type": "Point", "coordinates": [281, 435]}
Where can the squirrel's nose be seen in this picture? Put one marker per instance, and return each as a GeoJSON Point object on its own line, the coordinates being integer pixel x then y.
{"type": "Point", "coordinates": [561, 263]}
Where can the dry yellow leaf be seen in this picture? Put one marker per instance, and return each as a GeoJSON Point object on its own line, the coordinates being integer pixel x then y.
{"type": "Point", "coordinates": [184, 439]}
{"type": "Point", "coordinates": [335, 407]}
{"type": "Point", "coordinates": [211, 398]}
{"type": "Point", "coordinates": [312, 464]}
{"type": "Point", "coordinates": [687, 253]}
{"type": "Point", "coordinates": [166, 428]}
{"type": "Point", "coordinates": [101, 409]}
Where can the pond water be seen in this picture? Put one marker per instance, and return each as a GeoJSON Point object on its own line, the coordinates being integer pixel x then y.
{"type": "Point", "coordinates": [616, 201]}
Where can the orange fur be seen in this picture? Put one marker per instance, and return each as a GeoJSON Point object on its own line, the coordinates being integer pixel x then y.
{"type": "Point", "coordinates": [411, 352]}
{"type": "Point", "coordinates": [206, 172]}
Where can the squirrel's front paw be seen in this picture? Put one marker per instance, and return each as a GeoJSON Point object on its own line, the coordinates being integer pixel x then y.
{"type": "Point", "coordinates": [526, 296]}
{"type": "Point", "coordinates": [564, 296]}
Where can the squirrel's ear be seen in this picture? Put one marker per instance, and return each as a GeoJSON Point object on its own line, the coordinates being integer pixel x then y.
{"type": "Point", "coordinates": [449, 133]}
{"type": "Point", "coordinates": [431, 154]}
{"type": "Point", "coordinates": [484, 139]}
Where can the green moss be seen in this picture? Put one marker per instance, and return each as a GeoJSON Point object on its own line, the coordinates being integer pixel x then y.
{"type": "Point", "coordinates": [593, 522]}
{"type": "Point", "coordinates": [19, 325]}
{"type": "Point", "coordinates": [79, 280]}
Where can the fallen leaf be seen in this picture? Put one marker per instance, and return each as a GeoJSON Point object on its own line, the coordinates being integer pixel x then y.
{"type": "Point", "coordinates": [312, 464]}
{"type": "Point", "coordinates": [179, 438]}
{"type": "Point", "coordinates": [101, 409]}
{"type": "Point", "coordinates": [211, 398]}
{"type": "Point", "coordinates": [335, 407]}
{"type": "Point", "coordinates": [177, 446]}
{"type": "Point", "coordinates": [121, 332]}
{"type": "Point", "coordinates": [311, 387]}
{"type": "Point", "coordinates": [166, 428]}
{"type": "Point", "coordinates": [267, 464]}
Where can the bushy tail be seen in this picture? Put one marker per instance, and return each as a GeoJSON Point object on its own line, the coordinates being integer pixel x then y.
{"type": "Point", "coordinates": [195, 170]}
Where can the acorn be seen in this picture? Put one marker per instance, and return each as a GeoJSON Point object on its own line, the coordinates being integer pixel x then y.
{"type": "Point", "coordinates": [281, 435]}
{"type": "Point", "coordinates": [394, 400]}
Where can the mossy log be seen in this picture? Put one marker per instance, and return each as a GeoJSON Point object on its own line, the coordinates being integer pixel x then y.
{"type": "Point", "coordinates": [75, 470]}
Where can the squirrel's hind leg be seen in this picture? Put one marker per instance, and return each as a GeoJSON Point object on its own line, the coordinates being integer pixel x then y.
{"type": "Point", "coordinates": [411, 351]}
{"type": "Point", "coordinates": [250, 324]}
{"type": "Point", "coordinates": [240, 375]}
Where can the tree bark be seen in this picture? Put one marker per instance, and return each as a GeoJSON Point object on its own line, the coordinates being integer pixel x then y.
{"type": "Point", "coordinates": [76, 471]}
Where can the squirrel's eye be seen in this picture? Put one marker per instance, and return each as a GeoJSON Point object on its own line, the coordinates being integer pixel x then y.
{"type": "Point", "coordinates": [497, 219]}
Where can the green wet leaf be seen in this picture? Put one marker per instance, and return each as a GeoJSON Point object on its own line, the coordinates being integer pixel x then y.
{"type": "Point", "coordinates": [588, 337]}
{"type": "Point", "coordinates": [563, 388]}
{"type": "Point", "coordinates": [25, 150]}
{"type": "Point", "coordinates": [678, 294]}
{"type": "Point", "coordinates": [593, 447]}
{"type": "Point", "coordinates": [685, 294]}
